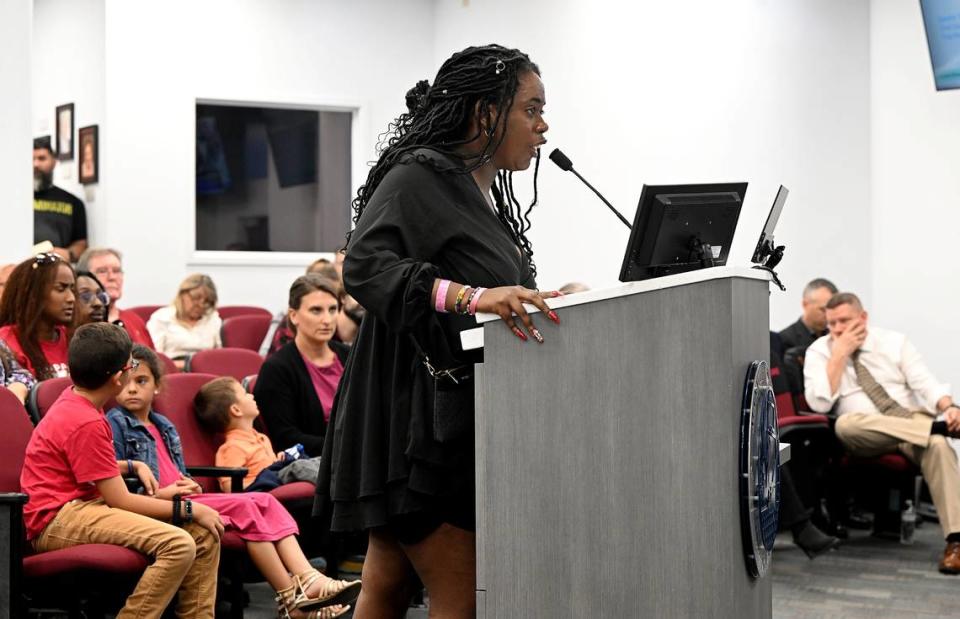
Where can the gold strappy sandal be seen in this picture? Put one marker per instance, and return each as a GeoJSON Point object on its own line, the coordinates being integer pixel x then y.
{"type": "Point", "coordinates": [287, 609]}
{"type": "Point", "coordinates": [332, 593]}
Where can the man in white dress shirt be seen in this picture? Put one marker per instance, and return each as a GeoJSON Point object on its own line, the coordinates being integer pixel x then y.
{"type": "Point", "coordinates": [886, 401]}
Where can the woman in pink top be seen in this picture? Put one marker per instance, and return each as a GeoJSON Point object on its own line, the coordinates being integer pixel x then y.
{"type": "Point", "coordinates": [263, 523]}
{"type": "Point", "coordinates": [36, 308]}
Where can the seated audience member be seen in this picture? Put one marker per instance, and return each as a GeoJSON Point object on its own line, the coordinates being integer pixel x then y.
{"type": "Point", "coordinates": [144, 435]}
{"type": "Point", "coordinates": [36, 310]}
{"type": "Point", "coordinates": [59, 217]}
{"type": "Point", "coordinates": [191, 323]}
{"type": "Point", "coordinates": [794, 515]}
{"type": "Point", "coordinates": [222, 406]}
{"type": "Point", "coordinates": [77, 496]}
{"type": "Point", "coordinates": [107, 265]}
{"type": "Point", "coordinates": [295, 386]}
{"type": "Point", "coordinates": [12, 376]}
{"type": "Point", "coordinates": [92, 299]}
{"type": "Point", "coordinates": [5, 272]}
{"type": "Point", "coordinates": [886, 401]}
{"type": "Point", "coordinates": [348, 321]}
{"type": "Point", "coordinates": [811, 325]}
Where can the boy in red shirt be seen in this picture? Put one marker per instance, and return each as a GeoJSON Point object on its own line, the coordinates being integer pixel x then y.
{"type": "Point", "coordinates": [77, 496]}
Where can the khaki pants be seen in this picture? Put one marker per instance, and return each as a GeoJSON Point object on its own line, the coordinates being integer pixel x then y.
{"type": "Point", "coordinates": [185, 559]}
{"type": "Point", "coordinates": [871, 434]}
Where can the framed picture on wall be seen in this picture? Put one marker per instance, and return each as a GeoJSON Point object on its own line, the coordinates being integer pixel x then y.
{"type": "Point", "coordinates": [88, 148]}
{"type": "Point", "coordinates": [64, 122]}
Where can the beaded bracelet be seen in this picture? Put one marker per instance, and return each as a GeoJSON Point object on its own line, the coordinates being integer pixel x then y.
{"type": "Point", "coordinates": [456, 305]}
{"type": "Point", "coordinates": [474, 301]}
{"type": "Point", "coordinates": [468, 301]}
{"type": "Point", "coordinates": [440, 303]}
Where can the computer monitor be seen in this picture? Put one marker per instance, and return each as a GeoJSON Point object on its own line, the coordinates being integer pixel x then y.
{"type": "Point", "coordinates": [681, 228]}
{"type": "Point", "coordinates": [766, 246]}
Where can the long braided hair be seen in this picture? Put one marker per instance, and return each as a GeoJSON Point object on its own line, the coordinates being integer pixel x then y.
{"type": "Point", "coordinates": [439, 117]}
{"type": "Point", "coordinates": [22, 305]}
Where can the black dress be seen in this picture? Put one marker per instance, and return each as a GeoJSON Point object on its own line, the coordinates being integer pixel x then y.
{"type": "Point", "coordinates": [381, 460]}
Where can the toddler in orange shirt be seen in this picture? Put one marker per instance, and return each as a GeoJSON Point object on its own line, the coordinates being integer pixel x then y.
{"type": "Point", "coordinates": [222, 405]}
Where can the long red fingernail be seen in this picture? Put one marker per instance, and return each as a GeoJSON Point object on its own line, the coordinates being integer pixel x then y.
{"type": "Point", "coordinates": [557, 293]}
{"type": "Point", "coordinates": [520, 334]}
{"type": "Point", "coordinates": [552, 315]}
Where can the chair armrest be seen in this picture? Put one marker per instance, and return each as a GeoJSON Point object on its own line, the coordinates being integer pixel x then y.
{"type": "Point", "coordinates": [13, 498]}
{"type": "Point", "coordinates": [235, 473]}
{"type": "Point", "coordinates": [11, 564]}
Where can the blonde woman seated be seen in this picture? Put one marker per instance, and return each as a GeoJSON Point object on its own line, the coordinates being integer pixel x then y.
{"type": "Point", "coordinates": [191, 323]}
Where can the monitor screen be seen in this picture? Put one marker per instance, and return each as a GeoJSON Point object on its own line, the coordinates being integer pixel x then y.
{"type": "Point", "coordinates": [681, 228]}
{"type": "Point", "coordinates": [941, 18]}
{"type": "Point", "coordinates": [772, 219]}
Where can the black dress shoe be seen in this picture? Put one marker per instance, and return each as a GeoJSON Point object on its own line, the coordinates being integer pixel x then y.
{"type": "Point", "coordinates": [813, 541]}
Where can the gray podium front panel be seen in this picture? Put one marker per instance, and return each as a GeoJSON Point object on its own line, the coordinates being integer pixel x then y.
{"type": "Point", "coordinates": [607, 458]}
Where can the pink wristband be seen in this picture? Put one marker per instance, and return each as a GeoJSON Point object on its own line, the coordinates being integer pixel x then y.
{"type": "Point", "coordinates": [441, 301]}
{"type": "Point", "coordinates": [476, 299]}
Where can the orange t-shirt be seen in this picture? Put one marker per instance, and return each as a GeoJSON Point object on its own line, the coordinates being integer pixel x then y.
{"type": "Point", "coordinates": [246, 448]}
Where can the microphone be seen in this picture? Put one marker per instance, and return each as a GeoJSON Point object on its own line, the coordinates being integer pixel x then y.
{"type": "Point", "coordinates": [563, 162]}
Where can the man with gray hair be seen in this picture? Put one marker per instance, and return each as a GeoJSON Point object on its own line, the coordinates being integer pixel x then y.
{"type": "Point", "coordinates": [107, 265]}
{"type": "Point", "coordinates": [886, 401]}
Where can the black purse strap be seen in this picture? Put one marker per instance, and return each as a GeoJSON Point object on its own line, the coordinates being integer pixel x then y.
{"type": "Point", "coordinates": [454, 375]}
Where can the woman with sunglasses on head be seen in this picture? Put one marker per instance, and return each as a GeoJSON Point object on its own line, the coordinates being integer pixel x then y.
{"type": "Point", "coordinates": [439, 237]}
{"type": "Point", "coordinates": [189, 324]}
{"type": "Point", "coordinates": [92, 299]}
{"type": "Point", "coordinates": [36, 309]}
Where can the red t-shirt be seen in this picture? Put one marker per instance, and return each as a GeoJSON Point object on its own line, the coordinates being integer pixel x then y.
{"type": "Point", "coordinates": [136, 328]}
{"type": "Point", "coordinates": [70, 449]}
{"type": "Point", "coordinates": [54, 352]}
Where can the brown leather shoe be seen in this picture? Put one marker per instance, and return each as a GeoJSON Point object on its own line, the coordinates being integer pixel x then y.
{"type": "Point", "coordinates": [950, 564]}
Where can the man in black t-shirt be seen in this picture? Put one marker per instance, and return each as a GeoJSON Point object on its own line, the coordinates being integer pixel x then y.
{"type": "Point", "coordinates": [58, 216]}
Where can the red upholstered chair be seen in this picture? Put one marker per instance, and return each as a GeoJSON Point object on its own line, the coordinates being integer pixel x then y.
{"type": "Point", "coordinates": [245, 331]}
{"type": "Point", "coordinates": [236, 362]}
{"type": "Point", "coordinates": [145, 311]}
{"type": "Point", "coordinates": [229, 311]}
{"type": "Point", "coordinates": [169, 367]}
{"type": "Point", "coordinates": [87, 577]}
{"type": "Point", "coordinates": [44, 394]}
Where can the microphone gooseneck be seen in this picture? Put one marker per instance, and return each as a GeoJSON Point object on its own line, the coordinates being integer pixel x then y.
{"type": "Point", "coordinates": [563, 162]}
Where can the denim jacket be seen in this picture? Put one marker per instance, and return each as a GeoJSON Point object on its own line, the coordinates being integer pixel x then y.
{"type": "Point", "coordinates": [132, 440]}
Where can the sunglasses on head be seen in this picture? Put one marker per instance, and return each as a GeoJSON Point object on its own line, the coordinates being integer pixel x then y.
{"type": "Point", "coordinates": [45, 258]}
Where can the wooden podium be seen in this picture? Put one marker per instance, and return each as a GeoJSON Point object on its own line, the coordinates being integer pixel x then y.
{"type": "Point", "coordinates": [607, 457]}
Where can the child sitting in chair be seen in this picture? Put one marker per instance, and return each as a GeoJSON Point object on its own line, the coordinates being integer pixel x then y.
{"type": "Point", "coordinates": [222, 406]}
{"type": "Point", "coordinates": [142, 434]}
{"type": "Point", "coordinates": [77, 496]}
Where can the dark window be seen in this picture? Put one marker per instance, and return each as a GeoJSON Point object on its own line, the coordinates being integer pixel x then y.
{"type": "Point", "coordinates": [272, 179]}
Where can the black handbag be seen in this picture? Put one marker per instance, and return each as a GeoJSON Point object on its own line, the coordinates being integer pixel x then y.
{"type": "Point", "coordinates": [452, 397]}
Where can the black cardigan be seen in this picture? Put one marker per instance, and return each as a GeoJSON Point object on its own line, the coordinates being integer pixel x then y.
{"type": "Point", "coordinates": [288, 402]}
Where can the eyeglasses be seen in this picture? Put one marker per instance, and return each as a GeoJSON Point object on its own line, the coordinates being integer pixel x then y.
{"type": "Point", "coordinates": [87, 297]}
{"type": "Point", "coordinates": [132, 367]}
{"type": "Point", "coordinates": [45, 258]}
{"type": "Point", "coordinates": [198, 297]}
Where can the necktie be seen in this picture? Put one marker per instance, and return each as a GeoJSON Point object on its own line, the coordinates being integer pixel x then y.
{"type": "Point", "coordinates": [877, 394]}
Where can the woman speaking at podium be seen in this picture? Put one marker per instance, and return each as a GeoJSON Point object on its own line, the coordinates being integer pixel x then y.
{"type": "Point", "coordinates": [439, 236]}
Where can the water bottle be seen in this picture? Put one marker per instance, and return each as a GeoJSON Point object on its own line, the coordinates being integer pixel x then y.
{"type": "Point", "coordinates": [908, 524]}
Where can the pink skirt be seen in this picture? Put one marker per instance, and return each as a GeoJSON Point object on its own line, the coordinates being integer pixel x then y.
{"type": "Point", "coordinates": [254, 516]}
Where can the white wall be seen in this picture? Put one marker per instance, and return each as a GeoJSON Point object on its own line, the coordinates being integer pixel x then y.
{"type": "Point", "coordinates": [16, 185]}
{"type": "Point", "coordinates": [916, 189]}
{"type": "Point", "coordinates": [67, 65]}
{"type": "Point", "coordinates": [162, 56]}
{"type": "Point", "coordinates": [699, 91]}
